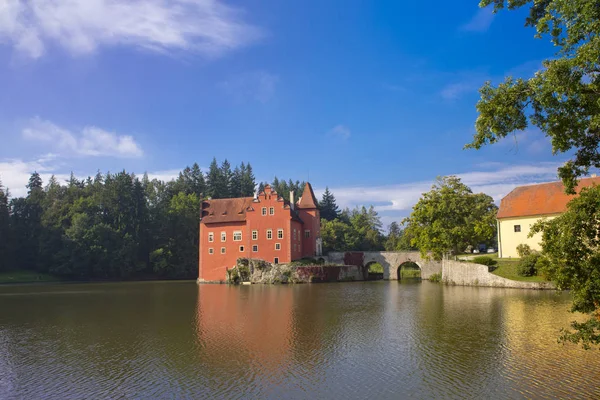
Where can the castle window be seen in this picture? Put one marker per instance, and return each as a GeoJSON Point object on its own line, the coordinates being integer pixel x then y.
{"type": "Point", "coordinates": [279, 233]}
{"type": "Point", "coordinates": [294, 246]}
{"type": "Point", "coordinates": [276, 261]}
{"type": "Point", "coordinates": [237, 236]}
{"type": "Point", "coordinates": [294, 233]}
{"type": "Point", "coordinates": [517, 228]}
{"type": "Point", "coordinates": [307, 234]}
{"type": "Point", "coordinates": [277, 246]}
{"type": "Point", "coordinates": [223, 236]}
{"type": "Point", "coordinates": [269, 234]}
{"type": "Point", "coordinates": [255, 248]}
{"type": "Point", "coordinates": [211, 250]}
{"type": "Point", "coordinates": [241, 249]}
{"type": "Point", "coordinates": [211, 237]}
{"type": "Point", "coordinates": [254, 235]}
{"type": "Point", "coordinates": [271, 210]}
{"type": "Point", "coordinates": [264, 211]}
{"type": "Point", "coordinates": [222, 250]}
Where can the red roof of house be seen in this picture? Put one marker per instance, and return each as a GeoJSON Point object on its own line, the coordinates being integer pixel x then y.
{"type": "Point", "coordinates": [225, 210]}
{"type": "Point", "coordinates": [308, 199]}
{"type": "Point", "coordinates": [540, 199]}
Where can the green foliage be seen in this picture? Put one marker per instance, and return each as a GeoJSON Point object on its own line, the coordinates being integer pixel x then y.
{"type": "Point", "coordinates": [284, 188]}
{"type": "Point", "coordinates": [358, 229]}
{"type": "Point", "coordinates": [437, 277]}
{"type": "Point", "coordinates": [376, 268]}
{"type": "Point", "coordinates": [523, 250]}
{"type": "Point", "coordinates": [304, 261]}
{"type": "Point", "coordinates": [485, 260]}
{"type": "Point", "coordinates": [112, 226]}
{"type": "Point", "coordinates": [328, 207]}
{"type": "Point", "coordinates": [451, 217]}
{"type": "Point", "coordinates": [528, 265]}
{"type": "Point", "coordinates": [563, 99]}
{"type": "Point", "coordinates": [571, 248]}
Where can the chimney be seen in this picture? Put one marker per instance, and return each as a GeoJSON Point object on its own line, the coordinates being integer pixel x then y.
{"type": "Point", "coordinates": [292, 203]}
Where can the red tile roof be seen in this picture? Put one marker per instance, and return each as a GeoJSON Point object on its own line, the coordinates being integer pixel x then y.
{"type": "Point", "coordinates": [225, 210]}
{"type": "Point", "coordinates": [308, 199]}
{"type": "Point", "coordinates": [540, 199]}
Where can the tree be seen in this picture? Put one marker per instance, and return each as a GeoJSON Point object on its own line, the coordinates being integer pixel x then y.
{"type": "Point", "coordinates": [563, 99]}
{"type": "Point", "coordinates": [451, 217]}
{"type": "Point", "coordinates": [571, 251]}
{"type": "Point", "coordinates": [393, 238]}
{"type": "Point", "coordinates": [328, 207]}
{"type": "Point", "coordinates": [5, 231]}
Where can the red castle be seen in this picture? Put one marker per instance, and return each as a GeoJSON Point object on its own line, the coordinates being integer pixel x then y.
{"type": "Point", "coordinates": [266, 227]}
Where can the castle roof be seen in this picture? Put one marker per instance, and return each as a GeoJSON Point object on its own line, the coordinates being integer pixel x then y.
{"type": "Point", "coordinates": [308, 199]}
{"type": "Point", "coordinates": [540, 199]}
{"type": "Point", "coordinates": [225, 210]}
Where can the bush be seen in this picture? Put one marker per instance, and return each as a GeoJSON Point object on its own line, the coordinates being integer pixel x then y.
{"type": "Point", "coordinates": [528, 266]}
{"type": "Point", "coordinates": [435, 277]}
{"type": "Point", "coordinates": [485, 260]}
{"type": "Point", "coordinates": [523, 250]}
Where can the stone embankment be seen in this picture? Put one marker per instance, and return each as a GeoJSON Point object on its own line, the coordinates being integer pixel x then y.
{"type": "Point", "coordinates": [259, 271]}
{"type": "Point", "coordinates": [470, 274]}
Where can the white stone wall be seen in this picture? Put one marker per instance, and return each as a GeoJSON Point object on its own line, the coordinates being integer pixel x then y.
{"type": "Point", "coordinates": [470, 274]}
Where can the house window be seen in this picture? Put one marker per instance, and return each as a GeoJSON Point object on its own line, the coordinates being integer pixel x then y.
{"type": "Point", "coordinates": [211, 237]}
{"type": "Point", "coordinates": [222, 250]}
{"type": "Point", "coordinates": [211, 250]}
{"type": "Point", "coordinates": [279, 233]}
{"type": "Point", "coordinates": [269, 234]}
{"type": "Point", "coordinates": [277, 246]}
{"type": "Point", "coordinates": [517, 228]}
{"type": "Point", "coordinates": [271, 210]}
{"type": "Point", "coordinates": [254, 235]}
{"type": "Point", "coordinates": [237, 236]}
{"type": "Point", "coordinates": [255, 248]}
{"type": "Point", "coordinates": [276, 261]}
{"type": "Point", "coordinates": [307, 234]}
{"type": "Point", "coordinates": [223, 236]}
{"type": "Point", "coordinates": [264, 211]}
{"type": "Point", "coordinates": [241, 249]}
{"type": "Point", "coordinates": [294, 234]}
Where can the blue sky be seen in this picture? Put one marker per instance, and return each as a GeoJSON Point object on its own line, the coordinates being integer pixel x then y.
{"type": "Point", "coordinates": [373, 99]}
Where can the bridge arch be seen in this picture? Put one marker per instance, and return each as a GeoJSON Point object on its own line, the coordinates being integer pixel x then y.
{"type": "Point", "coordinates": [408, 270]}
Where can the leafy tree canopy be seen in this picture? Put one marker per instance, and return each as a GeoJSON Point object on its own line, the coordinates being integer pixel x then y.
{"type": "Point", "coordinates": [563, 99]}
{"type": "Point", "coordinates": [571, 249]}
{"type": "Point", "coordinates": [451, 217]}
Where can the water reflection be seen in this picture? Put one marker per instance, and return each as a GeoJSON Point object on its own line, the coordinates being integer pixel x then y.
{"type": "Point", "coordinates": [357, 340]}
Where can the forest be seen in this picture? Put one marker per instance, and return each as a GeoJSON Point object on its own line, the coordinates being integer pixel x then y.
{"type": "Point", "coordinates": [117, 226]}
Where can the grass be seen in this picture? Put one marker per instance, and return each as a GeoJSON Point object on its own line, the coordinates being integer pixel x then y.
{"type": "Point", "coordinates": [26, 277]}
{"type": "Point", "coordinates": [507, 268]}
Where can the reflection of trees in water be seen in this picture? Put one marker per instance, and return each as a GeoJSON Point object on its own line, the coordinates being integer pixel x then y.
{"type": "Point", "coordinates": [462, 337]}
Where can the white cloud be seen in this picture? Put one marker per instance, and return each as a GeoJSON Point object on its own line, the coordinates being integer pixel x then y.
{"type": "Point", "coordinates": [91, 141]}
{"type": "Point", "coordinates": [481, 21]}
{"type": "Point", "coordinates": [15, 173]}
{"type": "Point", "coordinates": [256, 85]}
{"type": "Point", "coordinates": [207, 27]}
{"type": "Point", "coordinates": [165, 175]}
{"type": "Point", "coordinates": [396, 200]}
{"type": "Point", "coordinates": [340, 131]}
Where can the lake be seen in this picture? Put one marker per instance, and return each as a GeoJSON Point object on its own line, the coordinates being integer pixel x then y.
{"type": "Point", "coordinates": [348, 340]}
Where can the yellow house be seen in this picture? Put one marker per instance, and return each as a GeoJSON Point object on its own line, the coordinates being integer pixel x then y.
{"type": "Point", "coordinates": [524, 206]}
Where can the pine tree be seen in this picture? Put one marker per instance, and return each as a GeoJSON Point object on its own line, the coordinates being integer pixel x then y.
{"type": "Point", "coordinates": [248, 181]}
{"type": "Point", "coordinates": [197, 181]}
{"type": "Point", "coordinates": [328, 207]}
{"type": "Point", "coordinates": [213, 180]}
{"type": "Point", "coordinates": [235, 188]}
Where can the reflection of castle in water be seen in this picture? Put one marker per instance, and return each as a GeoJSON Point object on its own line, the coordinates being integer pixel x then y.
{"type": "Point", "coordinates": [245, 326]}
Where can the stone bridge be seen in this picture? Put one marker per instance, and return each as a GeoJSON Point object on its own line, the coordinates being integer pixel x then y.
{"type": "Point", "coordinates": [390, 260]}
